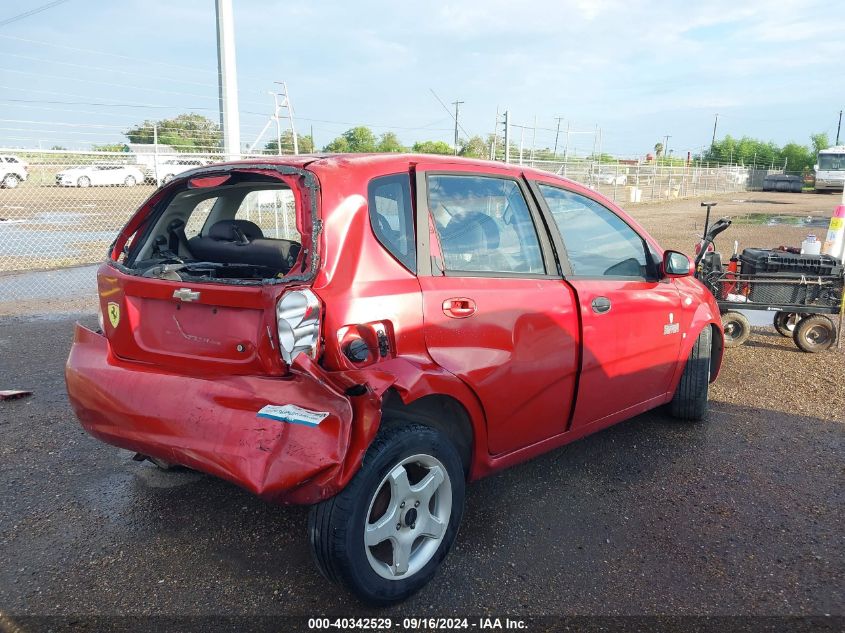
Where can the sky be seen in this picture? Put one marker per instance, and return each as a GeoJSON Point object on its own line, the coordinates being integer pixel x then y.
{"type": "Point", "coordinates": [84, 71]}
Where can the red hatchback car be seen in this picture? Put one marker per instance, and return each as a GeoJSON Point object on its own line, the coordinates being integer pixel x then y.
{"type": "Point", "coordinates": [368, 333]}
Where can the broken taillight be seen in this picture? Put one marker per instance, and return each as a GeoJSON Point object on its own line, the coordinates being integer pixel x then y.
{"type": "Point", "coordinates": [298, 324]}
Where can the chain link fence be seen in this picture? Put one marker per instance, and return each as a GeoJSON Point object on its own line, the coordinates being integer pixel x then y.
{"type": "Point", "coordinates": [62, 209]}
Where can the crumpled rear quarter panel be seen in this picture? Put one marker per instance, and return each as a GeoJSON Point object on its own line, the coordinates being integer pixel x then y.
{"type": "Point", "coordinates": [209, 423]}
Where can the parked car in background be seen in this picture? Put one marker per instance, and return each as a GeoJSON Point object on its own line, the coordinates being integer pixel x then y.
{"type": "Point", "coordinates": [169, 169]}
{"type": "Point", "coordinates": [98, 175]}
{"type": "Point", "coordinates": [414, 322]}
{"type": "Point", "coordinates": [610, 177]}
{"type": "Point", "coordinates": [13, 171]}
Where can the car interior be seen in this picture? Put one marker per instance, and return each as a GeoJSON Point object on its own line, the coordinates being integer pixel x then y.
{"type": "Point", "coordinates": [243, 230]}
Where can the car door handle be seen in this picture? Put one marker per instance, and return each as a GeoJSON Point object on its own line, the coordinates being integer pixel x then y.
{"type": "Point", "coordinates": [601, 305]}
{"type": "Point", "coordinates": [459, 307]}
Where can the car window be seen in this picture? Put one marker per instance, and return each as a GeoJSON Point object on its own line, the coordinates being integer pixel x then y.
{"type": "Point", "coordinates": [273, 210]}
{"type": "Point", "coordinates": [484, 225]}
{"type": "Point", "coordinates": [198, 217]}
{"type": "Point", "coordinates": [392, 217]}
{"type": "Point", "coordinates": [598, 242]}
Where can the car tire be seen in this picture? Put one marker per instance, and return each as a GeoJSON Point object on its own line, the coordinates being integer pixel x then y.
{"type": "Point", "coordinates": [737, 328]}
{"type": "Point", "coordinates": [84, 181]}
{"type": "Point", "coordinates": [785, 323]}
{"type": "Point", "coordinates": [356, 535]}
{"type": "Point", "coordinates": [11, 181]}
{"type": "Point", "coordinates": [690, 401]}
{"type": "Point", "coordinates": [815, 333]}
{"type": "Point", "coordinates": [129, 181]}
{"type": "Point", "coordinates": [167, 179]}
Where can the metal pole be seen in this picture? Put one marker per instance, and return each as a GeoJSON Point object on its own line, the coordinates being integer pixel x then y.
{"type": "Point", "coordinates": [533, 140]}
{"type": "Point", "coordinates": [227, 80]}
{"type": "Point", "coordinates": [507, 136]}
{"type": "Point", "coordinates": [290, 118]}
{"type": "Point", "coordinates": [566, 147]}
{"type": "Point", "coordinates": [715, 123]}
{"type": "Point", "coordinates": [155, 152]}
{"type": "Point", "coordinates": [495, 136]}
{"type": "Point", "coordinates": [457, 105]}
{"type": "Point", "coordinates": [521, 141]}
{"type": "Point", "coordinates": [557, 134]}
{"type": "Point", "coordinates": [278, 124]}
{"type": "Point", "coordinates": [838, 127]}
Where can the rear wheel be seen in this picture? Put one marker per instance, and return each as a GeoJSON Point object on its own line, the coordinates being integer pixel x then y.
{"type": "Point", "coordinates": [85, 181]}
{"type": "Point", "coordinates": [814, 334]}
{"type": "Point", "coordinates": [785, 322]}
{"type": "Point", "coordinates": [11, 181]}
{"type": "Point", "coordinates": [690, 399]}
{"type": "Point", "coordinates": [168, 178]}
{"type": "Point", "coordinates": [737, 328]}
{"type": "Point", "coordinates": [385, 534]}
{"type": "Point", "coordinates": [129, 181]}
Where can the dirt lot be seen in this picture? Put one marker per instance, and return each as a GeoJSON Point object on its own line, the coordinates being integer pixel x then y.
{"type": "Point", "coordinates": [741, 515]}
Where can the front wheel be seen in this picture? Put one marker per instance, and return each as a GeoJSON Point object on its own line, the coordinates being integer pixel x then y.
{"type": "Point", "coordinates": [11, 181]}
{"type": "Point", "coordinates": [815, 333]}
{"type": "Point", "coordinates": [129, 181]}
{"type": "Point", "coordinates": [691, 396]}
{"type": "Point", "coordinates": [85, 181]}
{"type": "Point", "coordinates": [385, 534]}
{"type": "Point", "coordinates": [737, 328]}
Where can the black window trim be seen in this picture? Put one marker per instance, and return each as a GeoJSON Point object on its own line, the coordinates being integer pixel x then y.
{"type": "Point", "coordinates": [412, 225]}
{"type": "Point", "coordinates": [557, 237]}
{"type": "Point", "coordinates": [424, 263]}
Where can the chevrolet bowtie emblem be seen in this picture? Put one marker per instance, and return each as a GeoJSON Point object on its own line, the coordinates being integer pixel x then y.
{"type": "Point", "coordinates": [186, 294]}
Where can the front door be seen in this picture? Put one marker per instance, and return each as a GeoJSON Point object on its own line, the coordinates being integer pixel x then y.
{"type": "Point", "coordinates": [629, 318]}
{"type": "Point", "coordinates": [497, 314]}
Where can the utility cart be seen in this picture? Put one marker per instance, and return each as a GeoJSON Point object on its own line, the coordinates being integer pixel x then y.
{"type": "Point", "coordinates": [804, 292]}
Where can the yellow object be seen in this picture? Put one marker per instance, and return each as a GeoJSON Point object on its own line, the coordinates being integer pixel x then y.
{"type": "Point", "coordinates": [114, 313]}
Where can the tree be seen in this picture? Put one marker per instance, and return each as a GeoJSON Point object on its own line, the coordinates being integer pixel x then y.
{"type": "Point", "coordinates": [304, 144]}
{"type": "Point", "coordinates": [432, 147]}
{"type": "Point", "coordinates": [820, 141]}
{"type": "Point", "coordinates": [58, 147]}
{"type": "Point", "coordinates": [389, 142]}
{"type": "Point", "coordinates": [658, 150]}
{"type": "Point", "coordinates": [185, 133]}
{"type": "Point", "coordinates": [355, 140]}
{"type": "Point", "coordinates": [475, 147]}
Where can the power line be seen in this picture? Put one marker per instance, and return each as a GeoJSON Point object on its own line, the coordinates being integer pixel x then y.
{"type": "Point", "coordinates": [450, 113]}
{"type": "Point", "coordinates": [26, 14]}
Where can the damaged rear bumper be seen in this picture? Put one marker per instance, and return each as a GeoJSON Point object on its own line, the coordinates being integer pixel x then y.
{"type": "Point", "coordinates": [211, 423]}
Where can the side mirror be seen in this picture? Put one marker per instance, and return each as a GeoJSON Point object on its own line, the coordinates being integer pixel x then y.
{"type": "Point", "coordinates": [676, 264]}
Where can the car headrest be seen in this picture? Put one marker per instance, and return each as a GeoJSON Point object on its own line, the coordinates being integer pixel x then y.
{"type": "Point", "coordinates": [472, 231]}
{"type": "Point", "coordinates": [227, 230]}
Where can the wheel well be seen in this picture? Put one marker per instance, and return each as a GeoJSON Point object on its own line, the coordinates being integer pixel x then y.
{"type": "Point", "coordinates": [717, 348]}
{"type": "Point", "coordinates": [437, 411]}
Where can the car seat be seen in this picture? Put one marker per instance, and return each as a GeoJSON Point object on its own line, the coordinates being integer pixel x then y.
{"type": "Point", "coordinates": [243, 242]}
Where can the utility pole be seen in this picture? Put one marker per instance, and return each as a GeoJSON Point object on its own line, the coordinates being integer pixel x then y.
{"type": "Point", "coordinates": [278, 105]}
{"type": "Point", "coordinates": [838, 127]}
{"type": "Point", "coordinates": [227, 80]}
{"type": "Point", "coordinates": [557, 133]}
{"type": "Point", "coordinates": [507, 136]}
{"type": "Point", "coordinates": [566, 147]}
{"type": "Point", "coordinates": [457, 105]}
{"type": "Point", "coordinates": [666, 146]}
{"type": "Point", "coordinates": [533, 139]}
{"type": "Point", "coordinates": [495, 136]}
{"type": "Point", "coordinates": [715, 123]}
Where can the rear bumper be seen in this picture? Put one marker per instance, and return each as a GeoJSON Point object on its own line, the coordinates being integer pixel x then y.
{"type": "Point", "coordinates": [210, 423]}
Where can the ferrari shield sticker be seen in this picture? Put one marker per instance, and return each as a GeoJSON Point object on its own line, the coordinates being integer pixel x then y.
{"type": "Point", "coordinates": [293, 414]}
{"type": "Point", "coordinates": [113, 310]}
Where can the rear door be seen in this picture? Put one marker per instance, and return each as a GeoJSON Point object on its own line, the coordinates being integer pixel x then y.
{"type": "Point", "coordinates": [497, 313]}
{"type": "Point", "coordinates": [629, 318]}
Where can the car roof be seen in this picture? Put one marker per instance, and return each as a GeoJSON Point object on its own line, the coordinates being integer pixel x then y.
{"type": "Point", "coordinates": [392, 161]}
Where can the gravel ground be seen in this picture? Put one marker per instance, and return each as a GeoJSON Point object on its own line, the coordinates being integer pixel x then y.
{"type": "Point", "coordinates": [741, 515]}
